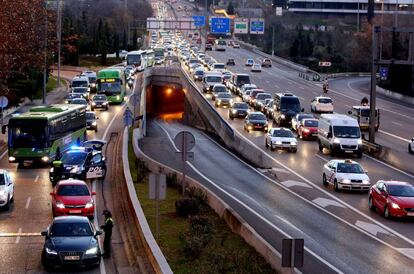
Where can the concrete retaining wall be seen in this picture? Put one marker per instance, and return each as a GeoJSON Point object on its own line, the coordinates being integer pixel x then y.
{"type": "Point", "coordinates": [157, 259]}
{"type": "Point", "coordinates": [395, 95]}
{"type": "Point", "coordinates": [233, 220]}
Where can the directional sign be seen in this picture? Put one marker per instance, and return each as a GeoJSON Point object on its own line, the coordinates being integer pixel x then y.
{"type": "Point", "coordinates": [257, 26]}
{"type": "Point", "coordinates": [184, 141]}
{"type": "Point", "coordinates": [220, 25]}
{"type": "Point", "coordinates": [325, 64]}
{"type": "Point", "coordinates": [199, 20]}
{"type": "Point", "coordinates": [384, 73]}
{"type": "Point", "coordinates": [241, 25]}
{"type": "Point", "coordinates": [3, 101]}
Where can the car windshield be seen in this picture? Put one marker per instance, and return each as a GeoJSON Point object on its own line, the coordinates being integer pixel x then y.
{"type": "Point", "coordinates": [80, 90]}
{"type": "Point", "coordinates": [401, 191]}
{"type": "Point", "coordinates": [219, 66]}
{"type": "Point", "coordinates": [349, 168]}
{"type": "Point", "coordinates": [73, 158]}
{"type": "Point", "coordinates": [214, 79]}
{"type": "Point", "coordinates": [263, 96]}
{"type": "Point", "coordinates": [346, 132]}
{"type": "Point", "coordinates": [79, 83]}
{"type": "Point", "coordinates": [73, 190]}
{"type": "Point", "coordinates": [2, 180]}
{"type": "Point", "coordinates": [70, 230]}
{"type": "Point", "coordinates": [304, 116]}
{"type": "Point", "coordinates": [311, 123]}
{"type": "Point", "coordinates": [243, 79]}
{"type": "Point", "coordinates": [220, 89]}
{"type": "Point", "coordinates": [290, 103]}
{"type": "Point", "coordinates": [90, 115]}
{"type": "Point", "coordinates": [283, 133]}
{"type": "Point", "coordinates": [224, 95]}
{"type": "Point", "coordinates": [325, 100]}
{"type": "Point", "coordinates": [199, 72]}
{"type": "Point", "coordinates": [257, 116]}
{"type": "Point", "coordinates": [99, 98]}
{"type": "Point", "coordinates": [78, 101]}
{"type": "Point", "coordinates": [240, 106]}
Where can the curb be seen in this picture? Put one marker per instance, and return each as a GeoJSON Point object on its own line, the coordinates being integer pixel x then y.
{"type": "Point", "coordinates": [235, 222]}
{"type": "Point", "coordinates": [153, 251]}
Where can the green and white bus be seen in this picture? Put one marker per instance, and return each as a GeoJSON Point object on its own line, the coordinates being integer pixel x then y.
{"type": "Point", "coordinates": [150, 57]}
{"type": "Point", "coordinates": [45, 131]}
{"type": "Point", "coordinates": [111, 83]}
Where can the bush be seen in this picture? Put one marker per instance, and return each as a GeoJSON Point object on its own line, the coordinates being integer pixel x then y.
{"type": "Point", "coordinates": [186, 207]}
{"type": "Point", "coordinates": [198, 237]}
{"type": "Point", "coordinates": [197, 194]}
{"type": "Point", "coordinates": [200, 225]}
{"type": "Point", "coordinates": [193, 245]}
{"type": "Point", "coordinates": [172, 180]}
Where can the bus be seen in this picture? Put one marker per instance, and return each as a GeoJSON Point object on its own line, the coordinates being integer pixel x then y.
{"type": "Point", "coordinates": [44, 132]}
{"type": "Point", "coordinates": [111, 83]}
{"type": "Point", "coordinates": [150, 56]}
{"type": "Point", "coordinates": [159, 55]}
{"type": "Point", "coordinates": [137, 59]}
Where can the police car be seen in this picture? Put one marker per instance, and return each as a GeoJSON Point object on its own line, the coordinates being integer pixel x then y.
{"type": "Point", "coordinates": [85, 162]}
{"type": "Point", "coordinates": [345, 174]}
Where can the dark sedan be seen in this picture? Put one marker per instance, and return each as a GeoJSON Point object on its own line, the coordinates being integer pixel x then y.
{"type": "Point", "coordinates": [255, 121]}
{"type": "Point", "coordinates": [70, 241]}
{"type": "Point", "coordinates": [99, 101]}
{"type": "Point", "coordinates": [238, 110]}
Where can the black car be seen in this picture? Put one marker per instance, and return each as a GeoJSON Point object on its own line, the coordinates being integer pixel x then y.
{"type": "Point", "coordinates": [255, 121]}
{"type": "Point", "coordinates": [83, 163]}
{"type": "Point", "coordinates": [223, 99]}
{"type": "Point", "coordinates": [285, 107]}
{"type": "Point", "coordinates": [71, 96]}
{"type": "Point", "coordinates": [209, 47]}
{"type": "Point", "coordinates": [238, 110]}
{"type": "Point", "coordinates": [230, 62]}
{"type": "Point", "coordinates": [99, 101]}
{"type": "Point", "coordinates": [91, 122]}
{"type": "Point", "coordinates": [71, 241]}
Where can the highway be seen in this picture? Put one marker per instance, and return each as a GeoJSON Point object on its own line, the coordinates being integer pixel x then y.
{"type": "Point", "coordinates": [272, 204]}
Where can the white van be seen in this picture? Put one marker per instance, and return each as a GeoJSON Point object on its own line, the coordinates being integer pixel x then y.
{"type": "Point", "coordinates": [340, 134]}
{"type": "Point", "coordinates": [210, 79]}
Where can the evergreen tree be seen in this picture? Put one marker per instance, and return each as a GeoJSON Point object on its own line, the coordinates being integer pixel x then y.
{"type": "Point", "coordinates": [230, 8]}
{"type": "Point", "coordinates": [116, 44]}
{"type": "Point", "coordinates": [135, 40]}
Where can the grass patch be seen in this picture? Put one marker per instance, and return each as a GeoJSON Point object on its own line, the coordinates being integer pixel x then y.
{"type": "Point", "coordinates": [51, 85]}
{"type": "Point", "coordinates": [201, 244]}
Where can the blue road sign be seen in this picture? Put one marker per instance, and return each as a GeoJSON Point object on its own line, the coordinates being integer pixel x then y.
{"type": "Point", "coordinates": [220, 25]}
{"type": "Point", "coordinates": [199, 20]}
{"type": "Point", "coordinates": [256, 26]}
{"type": "Point", "coordinates": [384, 73]}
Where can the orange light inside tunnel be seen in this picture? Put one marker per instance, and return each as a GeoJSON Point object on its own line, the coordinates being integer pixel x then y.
{"type": "Point", "coordinates": [168, 91]}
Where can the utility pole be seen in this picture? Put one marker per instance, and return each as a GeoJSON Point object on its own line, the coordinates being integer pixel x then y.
{"type": "Point", "coordinates": [59, 36]}
{"type": "Point", "coordinates": [273, 40]}
{"type": "Point", "coordinates": [373, 90]}
{"type": "Point", "coordinates": [45, 58]}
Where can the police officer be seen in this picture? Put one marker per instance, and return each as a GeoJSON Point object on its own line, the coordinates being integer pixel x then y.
{"type": "Point", "coordinates": [364, 101]}
{"type": "Point", "coordinates": [107, 227]}
{"type": "Point", "coordinates": [57, 171]}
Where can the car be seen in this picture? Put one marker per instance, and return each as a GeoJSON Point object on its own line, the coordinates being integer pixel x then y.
{"type": "Point", "coordinates": [253, 95]}
{"type": "Point", "coordinates": [223, 99]}
{"type": "Point", "coordinates": [281, 138]}
{"type": "Point", "coordinates": [322, 104]}
{"type": "Point", "coordinates": [285, 107]}
{"type": "Point", "coordinates": [236, 45]}
{"type": "Point", "coordinates": [266, 63]}
{"type": "Point", "coordinates": [198, 74]}
{"type": "Point", "coordinates": [255, 121]}
{"type": "Point", "coordinates": [256, 68]}
{"type": "Point", "coordinates": [411, 146]}
{"type": "Point", "coordinates": [218, 67]}
{"type": "Point", "coordinates": [99, 101]}
{"type": "Point", "coordinates": [260, 100]}
{"type": "Point", "coordinates": [345, 175]}
{"type": "Point", "coordinates": [392, 198]}
{"type": "Point", "coordinates": [267, 107]}
{"type": "Point", "coordinates": [209, 46]}
{"type": "Point", "coordinates": [92, 79]}
{"type": "Point", "coordinates": [210, 79]}
{"type": "Point", "coordinates": [86, 162]}
{"type": "Point", "coordinates": [70, 241]}
{"type": "Point", "coordinates": [308, 129]}
{"type": "Point", "coordinates": [218, 88]}
{"type": "Point", "coordinates": [83, 91]}
{"type": "Point", "coordinates": [238, 110]}
{"type": "Point", "coordinates": [6, 189]}
{"type": "Point", "coordinates": [230, 62]}
{"type": "Point", "coordinates": [246, 96]}
{"type": "Point", "coordinates": [245, 88]}
{"type": "Point", "coordinates": [249, 62]}
{"type": "Point", "coordinates": [71, 96]}
{"type": "Point", "coordinates": [79, 81]}
{"type": "Point", "coordinates": [237, 81]}
{"type": "Point", "coordinates": [79, 101]}
{"type": "Point", "coordinates": [230, 43]}
{"type": "Point", "coordinates": [298, 118]}
{"type": "Point", "coordinates": [73, 197]}
{"type": "Point", "coordinates": [193, 66]}
{"type": "Point", "coordinates": [91, 121]}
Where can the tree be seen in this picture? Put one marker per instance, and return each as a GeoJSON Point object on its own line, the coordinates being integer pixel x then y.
{"type": "Point", "coordinates": [116, 44]}
{"type": "Point", "coordinates": [135, 40]}
{"type": "Point", "coordinates": [370, 11]}
{"type": "Point", "coordinates": [230, 8]}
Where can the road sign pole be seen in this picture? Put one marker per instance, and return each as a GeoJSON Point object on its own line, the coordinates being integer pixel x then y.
{"type": "Point", "coordinates": [157, 205]}
{"type": "Point", "coordinates": [184, 161]}
{"type": "Point", "coordinates": [273, 40]}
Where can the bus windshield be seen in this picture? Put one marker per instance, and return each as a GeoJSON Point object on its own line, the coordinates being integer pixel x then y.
{"type": "Point", "coordinates": [110, 88]}
{"type": "Point", "coordinates": [27, 134]}
{"type": "Point", "coordinates": [134, 59]}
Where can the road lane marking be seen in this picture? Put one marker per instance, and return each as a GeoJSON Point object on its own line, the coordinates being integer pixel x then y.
{"type": "Point", "coordinates": [28, 202]}
{"type": "Point", "coordinates": [395, 123]}
{"type": "Point", "coordinates": [20, 234]}
{"type": "Point", "coordinates": [18, 237]}
{"type": "Point", "coordinates": [409, 251]}
{"type": "Point", "coordinates": [372, 228]}
{"type": "Point", "coordinates": [323, 202]}
{"type": "Point", "coordinates": [395, 136]}
{"type": "Point", "coordinates": [290, 183]}
{"type": "Point", "coordinates": [36, 179]}
{"type": "Point", "coordinates": [4, 154]}
{"type": "Point", "coordinates": [290, 224]}
{"type": "Point", "coordinates": [322, 158]}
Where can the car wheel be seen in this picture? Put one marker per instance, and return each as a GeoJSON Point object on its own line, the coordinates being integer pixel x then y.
{"type": "Point", "coordinates": [370, 204]}
{"type": "Point", "coordinates": [387, 213]}
{"type": "Point", "coordinates": [92, 109]}
{"type": "Point", "coordinates": [294, 150]}
{"type": "Point", "coordinates": [272, 148]}
{"type": "Point", "coordinates": [96, 129]}
{"type": "Point", "coordinates": [266, 144]}
{"type": "Point", "coordinates": [46, 265]}
{"type": "Point", "coordinates": [336, 188]}
{"type": "Point", "coordinates": [106, 108]}
{"type": "Point", "coordinates": [7, 206]}
{"type": "Point", "coordinates": [231, 117]}
{"type": "Point", "coordinates": [320, 147]}
{"type": "Point", "coordinates": [359, 155]}
{"type": "Point", "coordinates": [324, 181]}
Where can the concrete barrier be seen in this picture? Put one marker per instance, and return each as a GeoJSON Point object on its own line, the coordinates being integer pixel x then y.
{"type": "Point", "coordinates": [395, 95]}
{"type": "Point", "coordinates": [157, 259]}
{"type": "Point", "coordinates": [236, 223]}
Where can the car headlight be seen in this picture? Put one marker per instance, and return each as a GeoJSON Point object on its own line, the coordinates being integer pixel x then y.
{"type": "Point", "coordinates": [12, 159]}
{"type": "Point", "coordinates": [218, 102]}
{"type": "Point", "coordinates": [45, 158]}
{"type": "Point", "coordinates": [89, 204]}
{"type": "Point", "coordinates": [278, 142]}
{"type": "Point", "coordinates": [305, 130]}
{"type": "Point", "coordinates": [93, 103]}
{"type": "Point", "coordinates": [93, 85]}
{"type": "Point", "coordinates": [336, 141]}
{"type": "Point", "coordinates": [94, 123]}
{"type": "Point", "coordinates": [394, 205]}
{"type": "Point", "coordinates": [282, 116]}
{"type": "Point", "coordinates": [293, 143]}
{"type": "Point", "coordinates": [234, 111]}
{"type": "Point", "coordinates": [366, 182]}
{"type": "Point", "coordinates": [51, 251]}
{"type": "Point", "coordinates": [346, 181]}
{"type": "Point", "coordinates": [66, 101]}
{"type": "Point", "coordinates": [60, 205]}
{"type": "Point", "coordinates": [104, 103]}
{"type": "Point", "coordinates": [250, 127]}
{"type": "Point", "coordinates": [2, 193]}
{"type": "Point", "coordinates": [92, 251]}
{"type": "Point", "coordinates": [231, 101]}
{"type": "Point", "coordinates": [359, 141]}
{"type": "Point", "coordinates": [76, 169]}
{"type": "Point", "coordinates": [118, 97]}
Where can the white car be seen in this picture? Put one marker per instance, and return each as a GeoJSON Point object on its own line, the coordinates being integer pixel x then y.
{"type": "Point", "coordinates": [411, 146]}
{"type": "Point", "coordinates": [322, 104]}
{"type": "Point", "coordinates": [236, 45]}
{"type": "Point", "coordinates": [6, 189]}
{"type": "Point", "coordinates": [256, 68]}
{"type": "Point", "coordinates": [249, 62]}
{"type": "Point", "coordinates": [345, 174]}
{"type": "Point", "coordinates": [281, 138]}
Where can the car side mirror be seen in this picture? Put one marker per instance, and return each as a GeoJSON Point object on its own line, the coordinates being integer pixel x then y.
{"type": "Point", "coordinates": [98, 232]}
{"type": "Point", "coordinates": [349, 112]}
{"type": "Point", "coordinates": [366, 171]}
{"type": "Point", "coordinates": [70, 85]}
{"type": "Point", "coordinates": [97, 118]}
{"type": "Point", "coordinates": [93, 193]}
{"type": "Point", "coordinates": [3, 129]}
{"type": "Point", "coordinates": [44, 233]}
{"type": "Point", "coordinates": [302, 110]}
{"type": "Point", "coordinates": [329, 135]}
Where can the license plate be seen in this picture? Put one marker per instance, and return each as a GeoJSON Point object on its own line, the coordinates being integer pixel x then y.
{"type": "Point", "coordinates": [410, 213]}
{"type": "Point", "coordinates": [75, 211]}
{"type": "Point", "coordinates": [314, 134]}
{"type": "Point", "coordinates": [257, 126]}
{"type": "Point", "coordinates": [72, 258]}
{"type": "Point", "coordinates": [348, 151]}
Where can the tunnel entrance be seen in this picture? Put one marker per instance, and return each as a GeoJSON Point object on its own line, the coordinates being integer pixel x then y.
{"type": "Point", "coordinates": [166, 101]}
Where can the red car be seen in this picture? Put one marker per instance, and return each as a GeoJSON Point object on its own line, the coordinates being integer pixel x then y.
{"type": "Point", "coordinates": [72, 197]}
{"type": "Point", "coordinates": [308, 129]}
{"type": "Point", "coordinates": [392, 198]}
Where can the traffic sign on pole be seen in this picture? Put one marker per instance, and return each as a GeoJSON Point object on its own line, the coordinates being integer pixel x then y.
{"type": "Point", "coordinates": [220, 25]}
{"type": "Point", "coordinates": [324, 64]}
{"type": "Point", "coordinates": [199, 20]}
{"type": "Point", "coordinates": [257, 26]}
{"type": "Point", "coordinates": [384, 73]}
{"type": "Point", "coordinates": [241, 25]}
{"type": "Point", "coordinates": [184, 142]}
